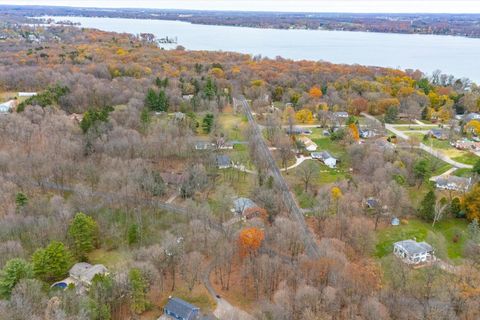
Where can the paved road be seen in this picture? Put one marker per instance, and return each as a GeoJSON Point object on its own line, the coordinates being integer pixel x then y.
{"type": "Point", "coordinates": [422, 146]}
{"type": "Point", "coordinates": [288, 199]}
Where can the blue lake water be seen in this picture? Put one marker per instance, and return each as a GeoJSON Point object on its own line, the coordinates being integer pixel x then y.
{"type": "Point", "coordinates": [452, 55]}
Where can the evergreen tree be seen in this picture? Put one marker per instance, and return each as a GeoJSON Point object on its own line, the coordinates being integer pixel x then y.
{"type": "Point", "coordinates": [101, 297]}
{"type": "Point", "coordinates": [83, 232]}
{"type": "Point", "coordinates": [210, 89]}
{"type": "Point", "coordinates": [133, 234]}
{"type": "Point", "coordinates": [51, 263]}
{"type": "Point", "coordinates": [427, 206]}
{"type": "Point", "coordinates": [21, 200]}
{"type": "Point", "coordinates": [207, 123]}
{"type": "Point", "coordinates": [425, 114]}
{"type": "Point", "coordinates": [13, 271]}
{"type": "Point", "coordinates": [138, 291]}
{"type": "Point", "coordinates": [151, 100]}
{"type": "Point", "coordinates": [456, 208]}
{"type": "Point", "coordinates": [162, 101]}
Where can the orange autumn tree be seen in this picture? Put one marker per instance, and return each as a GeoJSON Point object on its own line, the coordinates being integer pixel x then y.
{"type": "Point", "coordinates": [354, 131]}
{"type": "Point", "coordinates": [250, 240]}
{"type": "Point", "coordinates": [315, 92]}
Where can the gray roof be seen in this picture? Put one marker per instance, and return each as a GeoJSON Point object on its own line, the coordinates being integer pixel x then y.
{"type": "Point", "coordinates": [472, 116]}
{"type": "Point", "coordinates": [78, 269]}
{"type": "Point", "coordinates": [223, 160]}
{"type": "Point", "coordinates": [181, 308]}
{"type": "Point", "coordinates": [241, 204]}
{"type": "Point", "coordinates": [341, 114]}
{"type": "Point", "coordinates": [322, 154]}
{"type": "Point", "coordinates": [85, 272]}
{"type": "Point", "coordinates": [453, 182]}
{"type": "Point", "coordinates": [412, 247]}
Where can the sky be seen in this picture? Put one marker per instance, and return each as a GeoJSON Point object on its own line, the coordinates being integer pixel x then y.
{"type": "Point", "coordinates": [357, 6]}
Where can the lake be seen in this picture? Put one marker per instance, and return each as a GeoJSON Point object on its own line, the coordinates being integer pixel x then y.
{"type": "Point", "coordinates": [458, 56]}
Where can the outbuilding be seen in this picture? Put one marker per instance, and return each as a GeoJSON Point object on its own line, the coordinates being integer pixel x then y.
{"type": "Point", "coordinates": [179, 309]}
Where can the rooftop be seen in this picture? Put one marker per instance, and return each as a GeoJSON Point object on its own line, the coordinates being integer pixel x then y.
{"type": "Point", "coordinates": [413, 247]}
{"type": "Point", "coordinates": [181, 308]}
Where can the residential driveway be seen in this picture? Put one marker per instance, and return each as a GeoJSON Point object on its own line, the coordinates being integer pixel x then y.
{"type": "Point", "coordinates": [225, 311]}
{"type": "Point", "coordinates": [298, 162]}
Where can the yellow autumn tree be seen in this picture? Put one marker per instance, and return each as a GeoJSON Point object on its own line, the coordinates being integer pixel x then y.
{"type": "Point", "coordinates": [473, 127]}
{"type": "Point", "coordinates": [471, 203]}
{"type": "Point", "coordinates": [304, 116]}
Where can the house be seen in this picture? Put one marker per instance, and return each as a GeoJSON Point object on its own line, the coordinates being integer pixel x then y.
{"type": "Point", "coordinates": [412, 252]}
{"type": "Point", "coordinates": [308, 143]}
{"type": "Point", "coordinates": [365, 134]}
{"type": "Point", "coordinates": [179, 116]}
{"type": "Point", "coordinates": [340, 115]}
{"type": "Point", "coordinates": [179, 309]}
{"type": "Point", "coordinates": [247, 208]}
{"type": "Point", "coordinates": [371, 203]}
{"type": "Point", "coordinates": [187, 97]}
{"type": "Point", "coordinates": [7, 106]}
{"type": "Point", "coordinates": [27, 94]}
{"type": "Point", "coordinates": [203, 145]}
{"type": "Point", "coordinates": [453, 183]}
{"type": "Point", "coordinates": [438, 134]}
{"type": "Point", "coordinates": [81, 275]}
{"type": "Point", "coordinates": [326, 158]}
{"type": "Point", "coordinates": [223, 161]}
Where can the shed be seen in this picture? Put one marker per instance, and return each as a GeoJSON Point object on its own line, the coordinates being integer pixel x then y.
{"type": "Point", "coordinates": [203, 145]}
{"type": "Point", "coordinates": [309, 144]}
{"type": "Point", "coordinates": [7, 106]}
{"type": "Point", "coordinates": [242, 204]}
{"type": "Point", "coordinates": [395, 221]}
{"type": "Point", "coordinates": [340, 114]}
{"type": "Point", "coordinates": [181, 310]}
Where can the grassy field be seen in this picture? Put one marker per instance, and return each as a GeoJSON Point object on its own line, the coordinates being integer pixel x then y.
{"type": "Point", "coordinates": [442, 236]}
{"type": "Point", "coordinates": [233, 125]}
{"type": "Point", "coordinates": [467, 158]}
{"type": "Point", "coordinates": [413, 127]}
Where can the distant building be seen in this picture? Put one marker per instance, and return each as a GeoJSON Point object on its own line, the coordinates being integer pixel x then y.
{"type": "Point", "coordinates": [179, 116]}
{"type": "Point", "coordinates": [179, 309]}
{"type": "Point", "coordinates": [309, 144]}
{"type": "Point", "coordinates": [223, 161]}
{"type": "Point", "coordinates": [27, 94]}
{"type": "Point", "coordinates": [7, 106]}
{"type": "Point", "coordinates": [412, 252]}
{"type": "Point", "coordinates": [340, 115]}
{"type": "Point", "coordinates": [365, 134]}
{"type": "Point", "coordinates": [326, 158]}
{"type": "Point", "coordinates": [371, 203]}
{"type": "Point", "coordinates": [297, 130]}
{"type": "Point", "coordinates": [439, 134]}
{"type": "Point", "coordinates": [395, 221]}
{"type": "Point", "coordinates": [453, 183]}
{"type": "Point", "coordinates": [203, 145]}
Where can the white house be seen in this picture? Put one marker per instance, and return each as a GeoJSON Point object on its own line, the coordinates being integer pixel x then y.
{"type": "Point", "coordinates": [412, 252]}
{"type": "Point", "coordinates": [27, 94]}
{"type": "Point", "coordinates": [453, 183]}
{"type": "Point", "coordinates": [81, 275]}
{"type": "Point", "coordinates": [7, 106]}
{"type": "Point", "coordinates": [326, 158]}
{"type": "Point", "coordinates": [309, 144]}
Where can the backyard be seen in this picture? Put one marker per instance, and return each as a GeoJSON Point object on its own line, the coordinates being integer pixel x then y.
{"type": "Point", "coordinates": [447, 237]}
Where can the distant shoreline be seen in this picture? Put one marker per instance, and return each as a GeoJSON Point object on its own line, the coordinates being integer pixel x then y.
{"type": "Point", "coordinates": [458, 25]}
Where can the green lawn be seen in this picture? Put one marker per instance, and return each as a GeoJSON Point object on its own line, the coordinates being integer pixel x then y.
{"type": "Point", "coordinates": [463, 172]}
{"type": "Point", "coordinates": [413, 127]}
{"type": "Point", "coordinates": [467, 158]}
{"type": "Point", "coordinates": [444, 231]}
{"type": "Point", "coordinates": [437, 144]}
